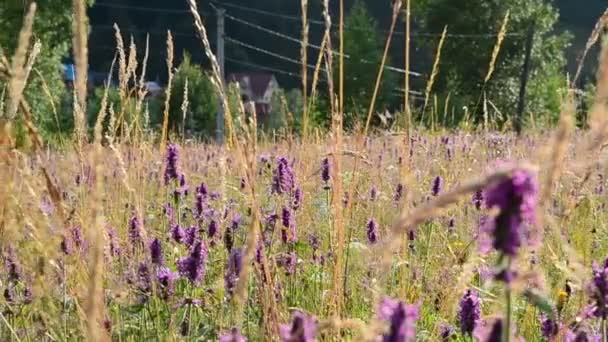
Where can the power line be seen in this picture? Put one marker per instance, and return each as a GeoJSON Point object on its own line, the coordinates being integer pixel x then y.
{"type": "Point", "coordinates": [266, 52]}
{"type": "Point", "coordinates": [295, 40]}
{"type": "Point", "coordinates": [147, 9]}
{"type": "Point", "coordinates": [398, 33]}
{"type": "Point", "coordinates": [155, 32]}
{"type": "Point", "coordinates": [261, 67]}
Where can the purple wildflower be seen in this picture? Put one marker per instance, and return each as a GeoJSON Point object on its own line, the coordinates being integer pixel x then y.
{"type": "Point", "coordinates": [283, 180]}
{"type": "Point", "coordinates": [437, 185]}
{"type": "Point", "coordinates": [297, 199]}
{"type": "Point", "coordinates": [77, 238]}
{"type": "Point", "coordinates": [191, 235]}
{"type": "Point", "coordinates": [478, 199]}
{"type": "Point", "coordinates": [156, 252]}
{"type": "Point", "coordinates": [398, 192]}
{"type": "Point", "coordinates": [193, 266]}
{"type": "Point", "coordinates": [135, 231]}
{"type": "Point", "coordinates": [166, 281]}
{"type": "Point", "coordinates": [233, 270]}
{"type": "Point", "coordinates": [144, 282]}
{"type": "Point", "coordinates": [66, 246]}
{"type": "Point", "coordinates": [516, 198]}
{"type": "Point", "coordinates": [288, 261]}
{"type": "Point", "coordinates": [235, 222]}
{"type": "Point", "coordinates": [599, 290]}
{"type": "Point", "coordinates": [445, 332]}
{"type": "Point", "coordinates": [177, 233]}
{"type": "Point", "coordinates": [113, 244]}
{"type": "Point", "coordinates": [171, 158]}
{"type": "Point", "coordinates": [373, 193]}
{"type": "Point", "coordinates": [9, 295]}
{"type": "Point", "coordinates": [469, 312]}
{"type": "Point", "coordinates": [401, 319]}
{"type": "Point", "coordinates": [372, 231]}
{"type": "Point", "coordinates": [12, 266]}
{"type": "Point", "coordinates": [213, 229]}
{"type": "Point", "coordinates": [548, 327]}
{"type": "Point", "coordinates": [228, 239]}
{"type": "Point", "coordinates": [325, 171]}
{"type": "Point", "coordinates": [288, 233]}
{"type": "Point", "coordinates": [303, 328]}
{"type": "Point", "coordinates": [232, 336]}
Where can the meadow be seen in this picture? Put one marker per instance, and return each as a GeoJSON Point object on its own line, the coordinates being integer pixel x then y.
{"type": "Point", "coordinates": [415, 234]}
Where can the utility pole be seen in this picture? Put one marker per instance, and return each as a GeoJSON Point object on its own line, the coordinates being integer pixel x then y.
{"type": "Point", "coordinates": [521, 105]}
{"type": "Point", "coordinates": [220, 59]}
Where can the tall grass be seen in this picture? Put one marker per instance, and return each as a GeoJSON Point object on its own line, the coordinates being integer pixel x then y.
{"type": "Point", "coordinates": [323, 229]}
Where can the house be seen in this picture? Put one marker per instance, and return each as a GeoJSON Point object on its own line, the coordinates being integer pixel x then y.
{"type": "Point", "coordinates": [258, 88]}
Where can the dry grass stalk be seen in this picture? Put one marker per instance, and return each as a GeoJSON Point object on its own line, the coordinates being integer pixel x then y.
{"type": "Point", "coordinates": [593, 38]}
{"type": "Point", "coordinates": [304, 60]}
{"type": "Point", "coordinates": [32, 59]}
{"type": "Point", "coordinates": [406, 97]}
{"type": "Point", "coordinates": [560, 148]}
{"type": "Point", "coordinates": [185, 105]}
{"type": "Point", "coordinates": [501, 36]}
{"type": "Point", "coordinates": [315, 77]}
{"type": "Point", "coordinates": [247, 160]}
{"type": "Point", "coordinates": [396, 9]}
{"type": "Point", "coordinates": [81, 57]}
{"type": "Point", "coordinates": [435, 72]}
{"type": "Point", "coordinates": [163, 137]}
{"type": "Point", "coordinates": [142, 91]}
{"type": "Point", "coordinates": [16, 71]}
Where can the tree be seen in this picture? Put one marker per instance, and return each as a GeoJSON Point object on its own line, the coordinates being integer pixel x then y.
{"type": "Point", "coordinates": [202, 99]}
{"type": "Point", "coordinates": [466, 61]}
{"type": "Point", "coordinates": [52, 27]}
{"type": "Point", "coordinates": [364, 46]}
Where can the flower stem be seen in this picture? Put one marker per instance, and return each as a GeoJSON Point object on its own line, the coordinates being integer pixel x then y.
{"type": "Point", "coordinates": [508, 303]}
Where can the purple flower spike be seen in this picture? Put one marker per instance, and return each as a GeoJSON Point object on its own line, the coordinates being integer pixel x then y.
{"type": "Point", "coordinates": [113, 244]}
{"type": "Point", "coordinates": [191, 236]}
{"type": "Point", "coordinates": [325, 171]}
{"type": "Point", "coordinates": [401, 318]}
{"type": "Point", "coordinates": [516, 199]}
{"type": "Point", "coordinates": [283, 180]}
{"type": "Point", "coordinates": [398, 192]}
{"type": "Point", "coordinates": [232, 336]}
{"type": "Point", "coordinates": [598, 290]}
{"type": "Point", "coordinates": [166, 281]}
{"type": "Point", "coordinates": [12, 266]}
{"type": "Point", "coordinates": [192, 267]}
{"type": "Point", "coordinates": [297, 199]}
{"type": "Point", "coordinates": [469, 312]}
{"type": "Point", "coordinates": [213, 229]}
{"type": "Point", "coordinates": [437, 185]}
{"type": "Point", "coordinates": [177, 233]}
{"type": "Point", "coordinates": [233, 270]}
{"type": "Point", "coordinates": [135, 231]}
{"type": "Point", "coordinates": [156, 252]}
{"type": "Point", "coordinates": [445, 332]}
{"type": "Point", "coordinates": [478, 199]}
{"type": "Point", "coordinates": [288, 233]}
{"type": "Point", "coordinates": [303, 328]}
{"type": "Point", "coordinates": [548, 327]}
{"type": "Point", "coordinates": [372, 231]}
{"type": "Point", "coordinates": [171, 159]}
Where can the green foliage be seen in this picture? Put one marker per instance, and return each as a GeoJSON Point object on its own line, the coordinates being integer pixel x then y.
{"type": "Point", "coordinates": [465, 61]}
{"type": "Point", "coordinates": [52, 27]}
{"type": "Point", "coordinates": [202, 100]}
{"type": "Point", "coordinates": [364, 44]}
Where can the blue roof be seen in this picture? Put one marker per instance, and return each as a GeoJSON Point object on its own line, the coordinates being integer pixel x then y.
{"type": "Point", "coordinates": [69, 72]}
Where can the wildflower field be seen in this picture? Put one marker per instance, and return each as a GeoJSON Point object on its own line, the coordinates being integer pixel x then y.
{"type": "Point", "coordinates": [123, 233]}
{"type": "Point", "coordinates": [177, 227]}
